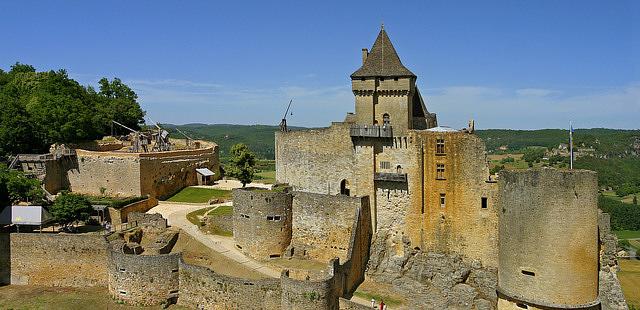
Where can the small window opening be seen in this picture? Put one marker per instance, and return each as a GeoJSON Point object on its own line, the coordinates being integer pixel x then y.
{"type": "Point", "coordinates": [274, 255]}
{"type": "Point", "coordinates": [277, 217]}
{"type": "Point", "coordinates": [529, 273]}
{"type": "Point", "coordinates": [440, 171]}
{"type": "Point", "coordinates": [174, 270]}
{"type": "Point", "coordinates": [399, 169]}
{"type": "Point", "coordinates": [440, 147]}
{"type": "Point", "coordinates": [269, 218]}
{"type": "Point", "coordinates": [395, 79]}
{"type": "Point", "coordinates": [443, 200]}
{"type": "Point", "coordinates": [484, 203]}
{"type": "Point", "coordinates": [238, 246]}
{"type": "Point", "coordinates": [385, 165]}
{"type": "Point", "coordinates": [344, 188]}
{"type": "Point", "coordinates": [122, 269]}
{"type": "Point", "coordinates": [173, 292]}
{"type": "Point", "coordinates": [386, 119]}
{"type": "Point", "coordinates": [521, 305]}
{"type": "Point", "coordinates": [122, 292]}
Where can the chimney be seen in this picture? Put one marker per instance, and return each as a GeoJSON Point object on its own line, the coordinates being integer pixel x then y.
{"type": "Point", "coordinates": [365, 53]}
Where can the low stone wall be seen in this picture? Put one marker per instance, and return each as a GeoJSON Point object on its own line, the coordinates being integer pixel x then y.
{"type": "Point", "coordinates": [202, 288]}
{"type": "Point", "coordinates": [220, 222]}
{"type": "Point", "coordinates": [346, 304]}
{"type": "Point", "coordinates": [58, 260]}
{"type": "Point", "coordinates": [355, 267]}
{"type": "Point", "coordinates": [143, 279]}
{"type": "Point", "coordinates": [311, 294]}
{"type": "Point", "coordinates": [119, 216]}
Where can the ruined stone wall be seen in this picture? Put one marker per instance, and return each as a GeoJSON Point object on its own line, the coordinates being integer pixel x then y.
{"type": "Point", "coordinates": [461, 225]}
{"type": "Point", "coordinates": [321, 224]}
{"type": "Point", "coordinates": [125, 174]}
{"type": "Point", "coordinates": [262, 222]}
{"type": "Point", "coordinates": [315, 160]}
{"type": "Point", "coordinates": [154, 220]}
{"type": "Point", "coordinates": [355, 266]}
{"type": "Point", "coordinates": [138, 206]}
{"type": "Point", "coordinates": [143, 279]}
{"type": "Point", "coordinates": [548, 253]}
{"type": "Point", "coordinates": [609, 289]}
{"type": "Point", "coordinates": [58, 260]}
{"type": "Point", "coordinates": [202, 288]}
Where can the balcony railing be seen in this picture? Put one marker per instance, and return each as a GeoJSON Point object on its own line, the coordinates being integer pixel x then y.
{"type": "Point", "coordinates": [390, 177]}
{"type": "Point", "coordinates": [372, 131]}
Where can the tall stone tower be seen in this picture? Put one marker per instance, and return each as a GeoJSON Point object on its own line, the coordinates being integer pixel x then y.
{"type": "Point", "coordinates": [386, 92]}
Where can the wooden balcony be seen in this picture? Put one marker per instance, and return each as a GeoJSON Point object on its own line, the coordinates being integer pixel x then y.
{"type": "Point", "coordinates": [371, 131]}
{"type": "Point", "coordinates": [390, 177]}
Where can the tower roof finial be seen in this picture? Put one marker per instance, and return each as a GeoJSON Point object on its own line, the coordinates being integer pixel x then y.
{"type": "Point", "coordinates": [382, 26]}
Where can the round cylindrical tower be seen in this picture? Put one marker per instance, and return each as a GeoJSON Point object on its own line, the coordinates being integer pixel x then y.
{"type": "Point", "coordinates": [262, 221]}
{"type": "Point", "coordinates": [548, 239]}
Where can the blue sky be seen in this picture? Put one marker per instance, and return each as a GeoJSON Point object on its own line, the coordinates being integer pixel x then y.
{"type": "Point", "coordinates": [507, 64]}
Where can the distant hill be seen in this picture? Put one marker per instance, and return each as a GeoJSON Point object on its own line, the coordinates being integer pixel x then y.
{"type": "Point", "coordinates": [606, 142]}
{"type": "Point", "coordinates": [260, 138]}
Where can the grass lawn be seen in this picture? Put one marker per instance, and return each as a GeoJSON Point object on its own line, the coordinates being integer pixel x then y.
{"type": "Point", "coordinates": [199, 195]}
{"type": "Point", "coordinates": [267, 176]}
{"type": "Point", "coordinates": [626, 199]}
{"type": "Point", "coordinates": [627, 234]}
{"type": "Point", "coordinates": [629, 276]}
{"type": "Point", "coordinates": [34, 297]}
{"type": "Point", "coordinates": [195, 216]}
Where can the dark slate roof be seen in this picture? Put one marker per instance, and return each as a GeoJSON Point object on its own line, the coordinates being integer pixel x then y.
{"type": "Point", "coordinates": [382, 61]}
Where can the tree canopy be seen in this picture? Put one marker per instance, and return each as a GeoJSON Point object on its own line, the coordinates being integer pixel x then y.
{"type": "Point", "coordinates": [242, 164]}
{"type": "Point", "coordinates": [69, 208]}
{"type": "Point", "coordinates": [16, 187]}
{"type": "Point", "coordinates": [42, 108]}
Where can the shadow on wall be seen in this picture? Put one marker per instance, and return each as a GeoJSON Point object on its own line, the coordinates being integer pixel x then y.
{"type": "Point", "coordinates": [5, 259]}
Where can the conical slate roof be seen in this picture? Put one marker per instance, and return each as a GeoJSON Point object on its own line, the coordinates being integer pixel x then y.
{"type": "Point", "coordinates": [382, 61]}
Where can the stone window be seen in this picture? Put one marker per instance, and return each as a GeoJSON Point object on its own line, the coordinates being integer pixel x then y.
{"type": "Point", "coordinates": [484, 203]}
{"type": "Point", "coordinates": [528, 273]}
{"type": "Point", "coordinates": [122, 292]}
{"type": "Point", "coordinates": [244, 216]}
{"type": "Point", "coordinates": [277, 217]}
{"type": "Point", "coordinates": [440, 172]}
{"type": "Point", "coordinates": [443, 201]}
{"type": "Point", "coordinates": [269, 217]}
{"type": "Point", "coordinates": [122, 269]}
{"type": "Point", "coordinates": [440, 147]}
{"type": "Point", "coordinates": [385, 165]}
{"type": "Point", "coordinates": [398, 169]}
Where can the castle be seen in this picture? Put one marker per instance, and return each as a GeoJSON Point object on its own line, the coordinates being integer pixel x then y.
{"type": "Point", "coordinates": [386, 195]}
{"type": "Point", "coordinates": [430, 191]}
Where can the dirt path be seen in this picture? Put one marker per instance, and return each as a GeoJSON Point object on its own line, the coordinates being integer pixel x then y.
{"type": "Point", "coordinates": [176, 216]}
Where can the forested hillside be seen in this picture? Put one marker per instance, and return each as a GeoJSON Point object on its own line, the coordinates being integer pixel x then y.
{"type": "Point", "coordinates": [259, 138]}
{"type": "Point", "coordinates": [606, 142]}
{"type": "Point", "coordinates": [42, 108]}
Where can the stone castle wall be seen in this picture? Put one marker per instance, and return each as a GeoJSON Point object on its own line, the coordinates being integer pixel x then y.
{"type": "Point", "coordinates": [143, 279]}
{"type": "Point", "coordinates": [121, 215]}
{"type": "Point", "coordinates": [261, 222]}
{"type": "Point", "coordinates": [56, 259]}
{"type": "Point", "coordinates": [321, 224]}
{"type": "Point", "coordinates": [548, 252]}
{"type": "Point", "coordinates": [125, 174]}
{"type": "Point", "coordinates": [202, 288]}
{"type": "Point", "coordinates": [309, 291]}
{"type": "Point", "coordinates": [315, 161]}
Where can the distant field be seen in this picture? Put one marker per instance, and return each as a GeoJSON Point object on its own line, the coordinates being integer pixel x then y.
{"type": "Point", "coordinates": [267, 177]}
{"type": "Point", "coordinates": [627, 234]}
{"type": "Point", "coordinates": [199, 195]}
{"type": "Point", "coordinates": [629, 276]}
{"type": "Point", "coordinates": [625, 199]}
{"type": "Point", "coordinates": [33, 297]}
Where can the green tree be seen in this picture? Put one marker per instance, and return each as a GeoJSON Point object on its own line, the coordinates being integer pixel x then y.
{"type": "Point", "coordinates": [120, 103]}
{"type": "Point", "coordinates": [532, 155]}
{"type": "Point", "coordinates": [70, 208]}
{"type": "Point", "coordinates": [16, 187]}
{"type": "Point", "coordinates": [242, 164]}
{"type": "Point", "coordinates": [635, 200]}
